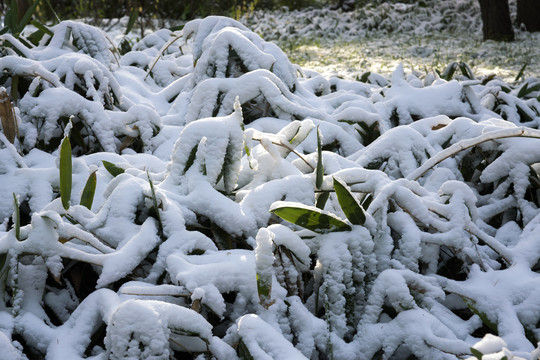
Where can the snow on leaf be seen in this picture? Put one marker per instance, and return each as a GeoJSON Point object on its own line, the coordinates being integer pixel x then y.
{"type": "Point", "coordinates": [309, 217]}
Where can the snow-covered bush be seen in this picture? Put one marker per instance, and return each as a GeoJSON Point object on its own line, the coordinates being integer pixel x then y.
{"type": "Point", "coordinates": [412, 204]}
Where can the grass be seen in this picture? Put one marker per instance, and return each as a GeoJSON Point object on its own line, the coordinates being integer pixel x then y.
{"type": "Point", "coordinates": [382, 53]}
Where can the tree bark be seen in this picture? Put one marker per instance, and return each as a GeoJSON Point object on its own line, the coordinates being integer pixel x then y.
{"type": "Point", "coordinates": [528, 14]}
{"type": "Point", "coordinates": [496, 23]}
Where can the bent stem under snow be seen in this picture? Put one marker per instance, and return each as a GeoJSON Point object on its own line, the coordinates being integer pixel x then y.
{"type": "Point", "coordinates": [469, 143]}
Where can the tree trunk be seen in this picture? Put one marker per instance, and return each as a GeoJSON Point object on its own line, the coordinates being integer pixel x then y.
{"type": "Point", "coordinates": [496, 23]}
{"type": "Point", "coordinates": [528, 14]}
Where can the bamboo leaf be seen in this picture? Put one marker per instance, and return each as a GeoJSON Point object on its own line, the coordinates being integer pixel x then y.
{"type": "Point", "coordinates": [27, 16]}
{"type": "Point", "coordinates": [352, 210]}
{"type": "Point", "coordinates": [17, 219]}
{"type": "Point", "coordinates": [520, 73]}
{"type": "Point", "coordinates": [310, 217]}
{"type": "Point", "coordinates": [483, 316]}
{"type": "Point", "coordinates": [3, 258]}
{"type": "Point", "coordinates": [65, 172]}
{"type": "Point", "coordinates": [42, 27]}
{"type": "Point", "coordinates": [191, 159]}
{"type": "Point", "coordinates": [322, 199]}
{"type": "Point", "coordinates": [466, 70]}
{"type": "Point", "coordinates": [320, 168]}
{"type": "Point", "coordinates": [87, 197]}
{"type": "Point", "coordinates": [449, 71]}
{"type": "Point", "coordinates": [155, 203]}
{"type": "Point", "coordinates": [243, 351]}
{"type": "Point", "coordinates": [264, 287]}
{"type": "Point", "coordinates": [13, 16]}
{"type": "Point", "coordinates": [132, 18]}
{"type": "Point", "coordinates": [112, 169]}
{"type": "Point", "coordinates": [477, 353]}
{"type": "Point", "coordinates": [526, 90]}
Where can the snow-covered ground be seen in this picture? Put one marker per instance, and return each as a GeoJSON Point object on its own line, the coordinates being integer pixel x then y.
{"type": "Point", "coordinates": [215, 200]}
{"type": "Point", "coordinates": [379, 37]}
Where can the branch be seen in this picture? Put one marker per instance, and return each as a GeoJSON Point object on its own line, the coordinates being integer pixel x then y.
{"type": "Point", "coordinates": [469, 143]}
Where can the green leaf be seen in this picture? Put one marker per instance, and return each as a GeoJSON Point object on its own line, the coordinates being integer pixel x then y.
{"type": "Point", "coordinates": [13, 16]}
{"type": "Point", "coordinates": [524, 117]}
{"type": "Point", "coordinates": [311, 218]}
{"type": "Point", "coordinates": [352, 210]}
{"type": "Point", "coordinates": [65, 172]}
{"type": "Point", "coordinates": [320, 167]}
{"type": "Point", "coordinates": [322, 199]}
{"type": "Point", "coordinates": [466, 70]}
{"type": "Point", "coordinates": [365, 77]}
{"type": "Point", "coordinates": [42, 27]}
{"type": "Point", "coordinates": [3, 258]}
{"type": "Point", "coordinates": [155, 203]}
{"type": "Point", "coordinates": [243, 351]}
{"type": "Point", "coordinates": [112, 169]}
{"type": "Point", "coordinates": [485, 320]}
{"type": "Point", "coordinates": [520, 73]}
{"type": "Point", "coordinates": [191, 159]}
{"type": "Point", "coordinates": [17, 219]}
{"type": "Point", "coordinates": [264, 288]}
{"type": "Point", "coordinates": [526, 90]}
{"type": "Point", "coordinates": [125, 46]}
{"type": "Point", "coordinates": [449, 71]}
{"type": "Point", "coordinates": [27, 16]}
{"type": "Point", "coordinates": [477, 353]}
{"type": "Point", "coordinates": [132, 18]}
{"type": "Point", "coordinates": [87, 197]}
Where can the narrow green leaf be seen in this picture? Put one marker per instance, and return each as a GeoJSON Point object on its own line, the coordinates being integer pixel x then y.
{"type": "Point", "coordinates": [523, 90]}
{"type": "Point", "coordinates": [466, 70]}
{"type": "Point", "coordinates": [243, 351]}
{"type": "Point", "coordinates": [365, 77]}
{"type": "Point", "coordinates": [311, 218]}
{"type": "Point", "coordinates": [155, 203]}
{"type": "Point", "coordinates": [14, 18]}
{"type": "Point", "coordinates": [132, 18]}
{"type": "Point", "coordinates": [322, 199]}
{"type": "Point", "coordinates": [3, 258]}
{"type": "Point", "coordinates": [524, 117]}
{"type": "Point", "coordinates": [520, 73]}
{"type": "Point", "coordinates": [112, 169]}
{"type": "Point", "coordinates": [191, 159]}
{"type": "Point", "coordinates": [449, 71]}
{"type": "Point", "coordinates": [27, 16]}
{"type": "Point", "coordinates": [320, 167]}
{"type": "Point", "coordinates": [352, 210]}
{"type": "Point", "coordinates": [526, 90]}
{"type": "Point", "coordinates": [483, 316]}
{"type": "Point", "coordinates": [42, 27]}
{"type": "Point", "coordinates": [87, 197]}
{"type": "Point", "coordinates": [17, 220]}
{"type": "Point", "coordinates": [477, 353]}
{"type": "Point", "coordinates": [65, 172]}
{"type": "Point", "coordinates": [264, 287]}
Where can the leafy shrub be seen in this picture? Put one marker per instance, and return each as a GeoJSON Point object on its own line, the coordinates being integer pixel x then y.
{"type": "Point", "coordinates": [160, 233]}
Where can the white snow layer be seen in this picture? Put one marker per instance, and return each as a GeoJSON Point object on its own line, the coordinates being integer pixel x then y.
{"type": "Point", "coordinates": [207, 130]}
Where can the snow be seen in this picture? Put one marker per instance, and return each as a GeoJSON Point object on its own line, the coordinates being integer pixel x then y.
{"type": "Point", "coordinates": [213, 128]}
